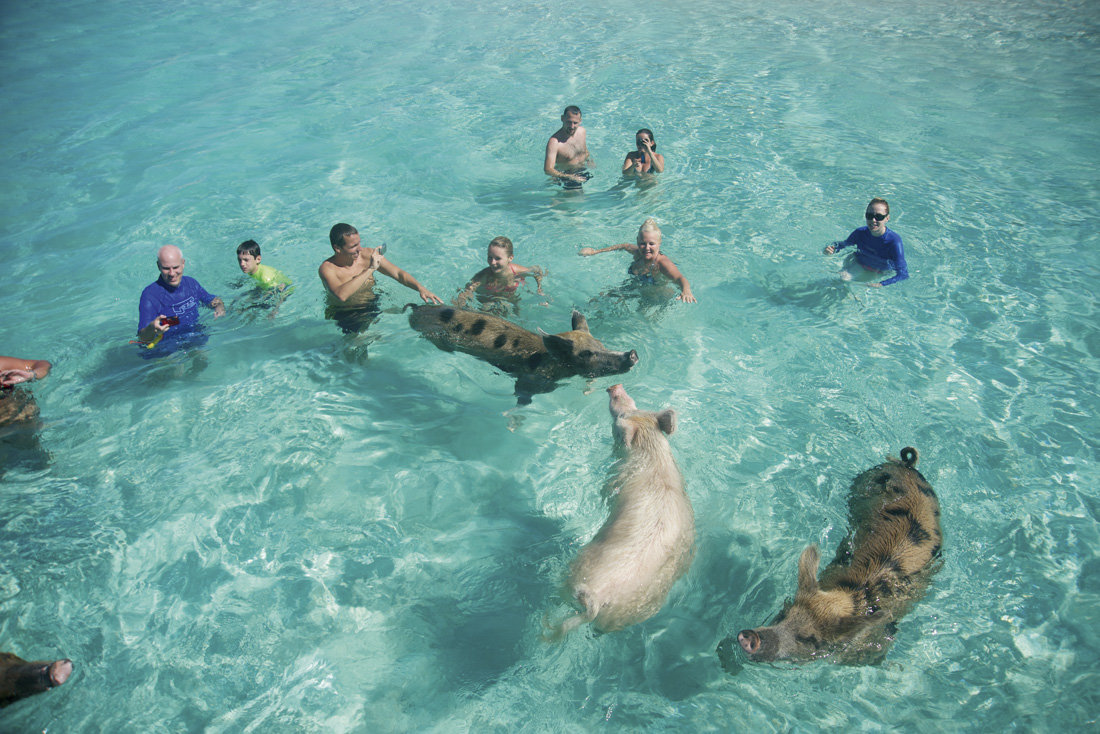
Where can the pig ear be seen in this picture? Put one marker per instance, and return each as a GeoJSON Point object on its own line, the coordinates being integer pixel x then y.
{"type": "Point", "coordinates": [557, 344]}
{"type": "Point", "coordinates": [666, 420]}
{"type": "Point", "coordinates": [807, 571]}
{"type": "Point", "coordinates": [580, 323]}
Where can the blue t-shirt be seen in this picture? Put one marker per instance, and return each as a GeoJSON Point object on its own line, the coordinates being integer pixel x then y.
{"type": "Point", "coordinates": [183, 303]}
{"type": "Point", "coordinates": [878, 253]}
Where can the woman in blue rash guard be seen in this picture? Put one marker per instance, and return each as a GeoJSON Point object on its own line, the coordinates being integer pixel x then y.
{"type": "Point", "coordinates": [878, 249]}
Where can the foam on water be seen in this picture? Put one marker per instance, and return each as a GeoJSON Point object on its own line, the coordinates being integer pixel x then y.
{"type": "Point", "coordinates": [297, 531]}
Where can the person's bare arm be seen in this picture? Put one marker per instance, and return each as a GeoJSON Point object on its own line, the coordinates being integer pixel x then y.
{"type": "Point", "coordinates": [587, 251]}
{"type": "Point", "coordinates": [14, 370]}
{"type": "Point", "coordinates": [405, 279]}
{"type": "Point", "coordinates": [469, 290]}
{"type": "Point", "coordinates": [669, 268]}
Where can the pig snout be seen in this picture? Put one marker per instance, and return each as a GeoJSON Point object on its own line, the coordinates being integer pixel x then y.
{"type": "Point", "coordinates": [620, 402]}
{"type": "Point", "coordinates": [749, 641]}
{"type": "Point", "coordinates": [600, 363]}
{"type": "Point", "coordinates": [761, 645]}
{"type": "Point", "coordinates": [58, 672]}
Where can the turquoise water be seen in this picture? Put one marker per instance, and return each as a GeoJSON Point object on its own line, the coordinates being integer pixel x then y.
{"type": "Point", "coordinates": [311, 533]}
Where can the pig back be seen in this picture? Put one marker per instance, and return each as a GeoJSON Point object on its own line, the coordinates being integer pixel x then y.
{"type": "Point", "coordinates": [893, 514]}
{"type": "Point", "coordinates": [645, 545]}
{"type": "Point", "coordinates": [490, 338]}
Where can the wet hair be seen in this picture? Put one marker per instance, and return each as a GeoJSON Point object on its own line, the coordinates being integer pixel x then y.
{"type": "Point", "coordinates": [649, 225]}
{"type": "Point", "coordinates": [338, 232]}
{"type": "Point", "coordinates": [571, 110]}
{"type": "Point", "coordinates": [877, 200]}
{"type": "Point", "coordinates": [249, 246]}
{"type": "Point", "coordinates": [648, 132]}
{"type": "Point", "coordinates": [503, 242]}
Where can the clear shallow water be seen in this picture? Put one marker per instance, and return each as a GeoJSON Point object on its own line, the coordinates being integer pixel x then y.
{"type": "Point", "coordinates": [299, 537]}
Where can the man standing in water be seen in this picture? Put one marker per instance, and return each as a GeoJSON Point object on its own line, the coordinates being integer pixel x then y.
{"type": "Point", "coordinates": [349, 280]}
{"type": "Point", "coordinates": [567, 149]}
{"type": "Point", "coordinates": [171, 304]}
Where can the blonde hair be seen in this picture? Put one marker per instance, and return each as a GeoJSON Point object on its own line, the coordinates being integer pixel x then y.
{"type": "Point", "coordinates": [649, 225]}
{"type": "Point", "coordinates": [503, 242]}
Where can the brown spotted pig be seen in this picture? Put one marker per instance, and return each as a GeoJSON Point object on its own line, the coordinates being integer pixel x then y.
{"type": "Point", "coordinates": [880, 570]}
{"type": "Point", "coordinates": [537, 361]}
{"type": "Point", "coordinates": [19, 679]}
{"type": "Point", "coordinates": [624, 574]}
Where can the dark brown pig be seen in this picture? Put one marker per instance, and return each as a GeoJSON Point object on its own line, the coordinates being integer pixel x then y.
{"type": "Point", "coordinates": [537, 361]}
{"type": "Point", "coordinates": [880, 570]}
{"type": "Point", "coordinates": [19, 679]}
{"type": "Point", "coordinates": [624, 574]}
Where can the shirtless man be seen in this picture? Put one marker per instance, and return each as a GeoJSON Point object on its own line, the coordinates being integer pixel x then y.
{"type": "Point", "coordinates": [349, 279]}
{"type": "Point", "coordinates": [568, 149]}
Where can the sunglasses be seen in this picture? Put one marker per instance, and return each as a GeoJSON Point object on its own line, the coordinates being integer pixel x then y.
{"type": "Point", "coordinates": [876, 216]}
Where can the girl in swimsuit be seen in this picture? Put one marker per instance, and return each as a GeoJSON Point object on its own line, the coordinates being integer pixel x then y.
{"type": "Point", "coordinates": [649, 265]}
{"type": "Point", "coordinates": [645, 159]}
{"type": "Point", "coordinates": [499, 281]}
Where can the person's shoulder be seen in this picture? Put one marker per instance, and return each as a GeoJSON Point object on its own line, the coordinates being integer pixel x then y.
{"type": "Point", "coordinates": [892, 236]}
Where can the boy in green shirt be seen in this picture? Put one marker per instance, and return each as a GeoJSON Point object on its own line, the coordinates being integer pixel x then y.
{"type": "Point", "coordinates": [248, 257]}
{"type": "Point", "coordinates": [274, 287]}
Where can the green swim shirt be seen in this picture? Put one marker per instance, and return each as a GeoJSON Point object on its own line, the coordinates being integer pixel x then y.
{"type": "Point", "coordinates": [268, 277]}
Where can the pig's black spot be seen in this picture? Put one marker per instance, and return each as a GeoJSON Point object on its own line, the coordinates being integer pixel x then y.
{"type": "Point", "coordinates": [500, 341]}
{"type": "Point", "coordinates": [446, 315]}
{"type": "Point", "coordinates": [808, 640]}
{"type": "Point", "coordinates": [898, 512]}
{"type": "Point", "coordinates": [891, 629]}
{"type": "Point", "coordinates": [917, 534]}
{"type": "Point", "coordinates": [585, 354]}
{"type": "Point", "coordinates": [477, 327]}
{"type": "Point", "coordinates": [926, 489]}
{"type": "Point", "coordinates": [884, 588]}
{"type": "Point", "coordinates": [457, 328]}
{"type": "Point", "coordinates": [936, 550]}
{"type": "Point", "coordinates": [515, 343]}
{"type": "Point", "coordinates": [882, 479]}
{"type": "Point", "coordinates": [535, 360]}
